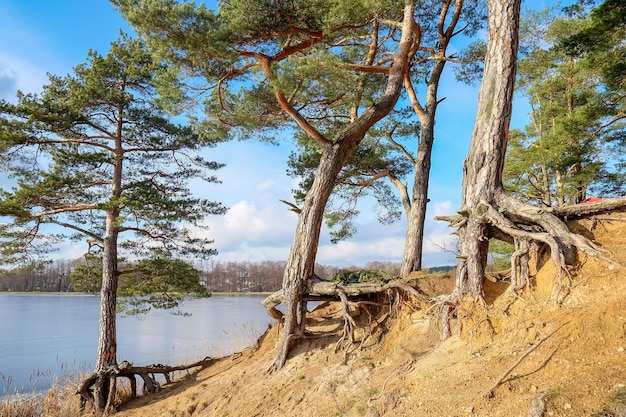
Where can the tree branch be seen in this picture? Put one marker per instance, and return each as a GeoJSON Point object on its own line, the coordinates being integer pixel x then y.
{"type": "Point", "coordinates": [78, 229]}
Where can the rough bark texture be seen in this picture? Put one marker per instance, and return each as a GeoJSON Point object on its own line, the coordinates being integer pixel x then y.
{"type": "Point", "coordinates": [482, 171]}
{"type": "Point", "coordinates": [106, 362]}
{"type": "Point", "coordinates": [104, 387]}
{"type": "Point", "coordinates": [487, 211]}
{"type": "Point", "coordinates": [304, 248]}
{"type": "Point", "coordinates": [416, 210]}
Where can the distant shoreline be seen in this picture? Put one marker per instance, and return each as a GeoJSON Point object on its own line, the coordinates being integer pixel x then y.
{"type": "Point", "coordinates": [90, 293]}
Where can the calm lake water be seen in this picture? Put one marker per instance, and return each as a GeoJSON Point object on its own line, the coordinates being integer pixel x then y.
{"type": "Point", "coordinates": [45, 337]}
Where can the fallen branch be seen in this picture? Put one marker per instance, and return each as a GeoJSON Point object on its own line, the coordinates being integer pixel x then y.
{"type": "Point", "coordinates": [589, 209]}
{"type": "Point", "coordinates": [332, 290]}
{"type": "Point", "coordinates": [520, 359]}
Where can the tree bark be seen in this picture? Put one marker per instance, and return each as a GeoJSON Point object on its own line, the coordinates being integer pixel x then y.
{"type": "Point", "coordinates": [487, 211]}
{"type": "Point", "coordinates": [106, 362]}
{"type": "Point", "coordinates": [416, 216]}
{"type": "Point", "coordinates": [301, 260]}
{"type": "Point", "coordinates": [304, 248]}
{"type": "Point", "coordinates": [317, 289]}
{"type": "Point", "coordinates": [482, 171]}
{"type": "Point", "coordinates": [416, 211]}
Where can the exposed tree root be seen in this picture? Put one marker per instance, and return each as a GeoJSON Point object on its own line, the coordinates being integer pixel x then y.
{"type": "Point", "coordinates": [106, 380]}
{"type": "Point", "coordinates": [530, 229]}
{"type": "Point", "coordinates": [320, 290]}
{"type": "Point", "coordinates": [350, 297]}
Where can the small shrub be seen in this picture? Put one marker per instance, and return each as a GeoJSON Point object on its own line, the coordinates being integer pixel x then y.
{"type": "Point", "coordinates": [347, 277]}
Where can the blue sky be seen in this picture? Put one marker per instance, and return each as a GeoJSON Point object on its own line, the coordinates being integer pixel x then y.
{"type": "Point", "coordinates": [43, 36]}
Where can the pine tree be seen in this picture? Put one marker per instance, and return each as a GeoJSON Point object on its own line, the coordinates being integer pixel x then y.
{"type": "Point", "coordinates": [567, 151]}
{"type": "Point", "coordinates": [331, 69]}
{"type": "Point", "coordinates": [95, 156]}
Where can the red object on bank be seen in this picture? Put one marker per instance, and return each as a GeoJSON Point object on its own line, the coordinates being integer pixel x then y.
{"type": "Point", "coordinates": [591, 200]}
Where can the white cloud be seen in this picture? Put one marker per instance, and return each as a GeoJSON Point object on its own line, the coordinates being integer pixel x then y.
{"type": "Point", "coordinates": [257, 227]}
{"type": "Point", "coordinates": [376, 242]}
{"type": "Point", "coordinates": [266, 186]}
{"type": "Point", "coordinates": [8, 81]}
{"type": "Point", "coordinates": [16, 75]}
{"type": "Point", "coordinates": [247, 225]}
{"type": "Point", "coordinates": [437, 235]}
{"type": "Point", "coordinates": [358, 253]}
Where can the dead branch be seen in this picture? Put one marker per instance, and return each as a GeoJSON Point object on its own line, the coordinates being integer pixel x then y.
{"type": "Point", "coordinates": [332, 290]}
{"type": "Point", "coordinates": [521, 358]}
{"type": "Point", "coordinates": [588, 209]}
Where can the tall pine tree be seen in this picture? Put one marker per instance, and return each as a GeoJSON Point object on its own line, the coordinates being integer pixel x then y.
{"type": "Point", "coordinates": [94, 155]}
{"type": "Point", "coordinates": [571, 148]}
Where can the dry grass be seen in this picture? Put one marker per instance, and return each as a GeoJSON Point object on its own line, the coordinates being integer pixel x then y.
{"type": "Point", "coordinates": [238, 338]}
{"type": "Point", "coordinates": [60, 400]}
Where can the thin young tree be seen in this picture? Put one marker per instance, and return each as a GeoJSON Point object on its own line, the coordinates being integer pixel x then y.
{"type": "Point", "coordinates": [94, 158]}
{"type": "Point", "coordinates": [324, 67]}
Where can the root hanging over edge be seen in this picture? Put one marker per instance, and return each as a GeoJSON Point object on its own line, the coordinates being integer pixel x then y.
{"type": "Point", "coordinates": [321, 290]}
{"type": "Point", "coordinates": [107, 380]}
{"type": "Point", "coordinates": [530, 229]}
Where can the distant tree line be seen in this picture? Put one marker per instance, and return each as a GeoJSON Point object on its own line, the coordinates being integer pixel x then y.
{"type": "Point", "coordinates": [267, 275]}
{"type": "Point", "coordinates": [50, 277]}
{"type": "Point", "coordinates": [217, 276]}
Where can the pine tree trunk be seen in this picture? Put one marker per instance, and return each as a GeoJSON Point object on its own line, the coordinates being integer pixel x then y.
{"type": "Point", "coordinates": [299, 269]}
{"type": "Point", "coordinates": [487, 211]}
{"type": "Point", "coordinates": [482, 171]}
{"type": "Point", "coordinates": [106, 362]}
{"type": "Point", "coordinates": [104, 386]}
{"type": "Point", "coordinates": [304, 248]}
{"type": "Point", "coordinates": [416, 216]}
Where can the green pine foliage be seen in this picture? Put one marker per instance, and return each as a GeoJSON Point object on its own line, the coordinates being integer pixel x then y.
{"type": "Point", "coordinates": [311, 43]}
{"type": "Point", "coordinates": [95, 155]}
{"type": "Point", "coordinates": [347, 277]}
{"type": "Point", "coordinates": [158, 282]}
{"type": "Point", "coordinates": [500, 253]}
{"type": "Point", "coordinates": [362, 176]}
{"type": "Point", "coordinates": [571, 149]}
{"type": "Point", "coordinates": [388, 153]}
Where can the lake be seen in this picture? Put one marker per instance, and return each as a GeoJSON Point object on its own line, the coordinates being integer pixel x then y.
{"type": "Point", "coordinates": [44, 337]}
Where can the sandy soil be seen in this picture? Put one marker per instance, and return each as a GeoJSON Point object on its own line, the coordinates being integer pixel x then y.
{"type": "Point", "coordinates": [570, 353]}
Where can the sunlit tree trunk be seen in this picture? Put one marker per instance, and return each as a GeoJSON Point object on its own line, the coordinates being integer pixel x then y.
{"type": "Point", "coordinates": [416, 212]}
{"type": "Point", "coordinates": [301, 261]}
{"type": "Point", "coordinates": [304, 248]}
{"type": "Point", "coordinates": [482, 171]}
{"type": "Point", "coordinates": [104, 388]}
{"type": "Point", "coordinates": [106, 362]}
